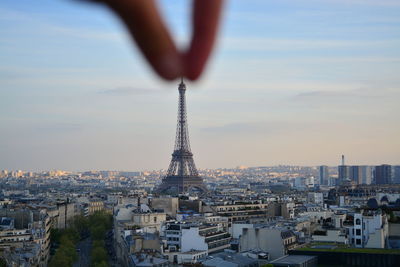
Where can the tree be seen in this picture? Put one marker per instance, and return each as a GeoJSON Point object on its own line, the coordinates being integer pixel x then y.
{"type": "Point", "coordinates": [66, 253]}
{"type": "Point", "coordinates": [98, 243]}
{"type": "Point", "coordinates": [72, 235]}
{"type": "Point", "coordinates": [98, 232]}
{"type": "Point", "coordinates": [81, 224]}
{"type": "Point", "coordinates": [70, 252]}
{"type": "Point", "coordinates": [55, 235]}
{"type": "Point", "coordinates": [60, 259]}
{"type": "Point", "coordinates": [99, 254]}
{"type": "Point", "coordinates": [101, 264]}
{"type": "Point", "coordinates": [101, 218]}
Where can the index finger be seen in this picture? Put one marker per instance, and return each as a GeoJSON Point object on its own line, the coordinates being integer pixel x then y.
{"type": "Point", "coordinates": [206, 17]}
{"type": "Point", "coordinates": [152, 37]}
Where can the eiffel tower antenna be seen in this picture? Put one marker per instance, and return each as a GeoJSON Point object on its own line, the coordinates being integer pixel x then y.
{"type": "Point", "coordinates": [182, 175]}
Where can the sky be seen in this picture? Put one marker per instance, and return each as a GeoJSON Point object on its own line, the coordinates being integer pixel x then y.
{"type": "Point", "coordinates": [297, 82]}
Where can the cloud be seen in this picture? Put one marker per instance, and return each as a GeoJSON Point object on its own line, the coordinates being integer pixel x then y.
{"type": "Point", "coordinates": [240, 127]}
{"type": "Point", "coordinates": [269, 128]}
{"type": "Point", "coordinates": [365, 103]}
{"type": "Point", "coordinates": [125, 91]}
{"type": "Point", "coordinates": [385, 3]}
{"type": "Point", "coordinates": [275, 44]}
{"type": "Point", "coordinates": [39, 23]}
{"type": "Point", "coordinates": [58, 127]}
{"type": "Point", "coordinates": [26, 130]}
{"type": "Point", "coordinates": [346, 3]}
{"type": "Point", "coordinates": [80, 33]}
{"type": "Point", "coordinates": [370, 92]}
{"type": "Point", "coordinates": [325, 94]}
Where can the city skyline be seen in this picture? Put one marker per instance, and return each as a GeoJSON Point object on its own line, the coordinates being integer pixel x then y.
{"type": "Point", "coordinates": [293, 84]}
{"type": "Point", "coordinates": [165, 170]}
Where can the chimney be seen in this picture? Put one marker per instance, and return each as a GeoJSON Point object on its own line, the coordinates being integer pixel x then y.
{"type": "Point", "coordinates": [342, 160]}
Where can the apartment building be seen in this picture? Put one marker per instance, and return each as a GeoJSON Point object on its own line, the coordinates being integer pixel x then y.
{"type": "Point", "coordinates": [184, 237]}
{"type": "Point", "coordinates": [25, 237]}
{"type": "Point", "coordinates": [368, 229]}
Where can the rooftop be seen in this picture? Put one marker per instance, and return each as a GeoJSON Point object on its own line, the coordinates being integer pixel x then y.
{"type": "Point", "coordinates": [332, 247]}
{"type": "Point", "coordinates": [193, 251]}
{"type": "Point", "coordinates": [293, 259]}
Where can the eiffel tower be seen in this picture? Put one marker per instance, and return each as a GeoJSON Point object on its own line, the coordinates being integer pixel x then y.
{"type": "Point", "coordinates": [182, 175]}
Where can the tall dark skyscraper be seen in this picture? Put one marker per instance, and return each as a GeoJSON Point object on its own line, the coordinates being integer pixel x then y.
{"type": "Point", "coordinates": [356, 174]}
{"type": "Point", "coordinates": [323, 175]}
{"type": "Point", "coordinates": [182, 175]}
{"type": "Point", "coordinates": [344, 172]}
{"type": "Point", "coordinates": [383, 174]}
{"type": "Point", "coordinates": [396, 174]}
{"type": "Point", "coordinates": [361, 174]}
{"type": "Point", "coordinates": [366, 174]}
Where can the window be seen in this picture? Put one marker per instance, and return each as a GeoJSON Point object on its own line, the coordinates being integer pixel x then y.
{"type": "Point", "coordinates": [358, 221]}
{"type": "Point", "coordinates": [358, 231]}
{"type": "Point", "coordinates": [155, 219]}
{"type": "Point", "coordinates": [358, 241]}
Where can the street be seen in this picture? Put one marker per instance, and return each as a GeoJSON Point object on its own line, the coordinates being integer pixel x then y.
{"type": "Point", "coordinates": [83, 249]}
{"type": "Point", "coordinates": [110, 246]}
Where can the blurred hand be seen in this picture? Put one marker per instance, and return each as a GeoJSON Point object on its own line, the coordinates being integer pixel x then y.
{"type": "Point", "coordinates": [154, 40]}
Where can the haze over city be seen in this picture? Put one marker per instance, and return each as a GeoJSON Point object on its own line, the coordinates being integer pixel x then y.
{"type": "Point", "coordinates": [289, 83]}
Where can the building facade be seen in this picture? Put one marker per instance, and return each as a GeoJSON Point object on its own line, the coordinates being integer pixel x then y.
{"type": "Point", "coordinates": [323, 175]}
{"type": "Point", "coordinates": [383, 174]}
{"type": "Point", "coordinates": [184, 237]}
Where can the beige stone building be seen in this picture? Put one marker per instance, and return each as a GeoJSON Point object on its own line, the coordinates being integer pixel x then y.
{"type": "Point", "coordinates": [25, 232]}
{"type": "Point", "coordinates": [95, 205]}
{"type": "Point", "coordinates": [170, 205]}
{"type": "Point", "coordinates": [242, 211]}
